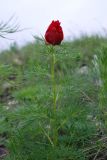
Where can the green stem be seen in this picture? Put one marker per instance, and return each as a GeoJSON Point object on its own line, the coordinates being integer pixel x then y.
{"type": "Point", "coordinates": [53, 83]}
{"type": "Point", "coordinates": [55, 134]}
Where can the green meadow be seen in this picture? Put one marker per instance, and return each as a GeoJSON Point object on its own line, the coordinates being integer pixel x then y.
{"type": "Point", "coordinates": [27, 122]}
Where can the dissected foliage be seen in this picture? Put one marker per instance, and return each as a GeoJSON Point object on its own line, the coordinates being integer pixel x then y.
{"type": "Point", "coordinates": [26, 101]}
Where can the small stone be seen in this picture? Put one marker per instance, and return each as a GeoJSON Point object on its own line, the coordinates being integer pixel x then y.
{"type": "Point", "coordinates": [83, 70]}
{"type": "Point", "coordinates": [13, 102]}
{"type": "Point", "coordinates": [3, 152]}
{"type": "Point", "coordinates": [6, 85]}
{"type": "Point", "coordinates": [17, 61]}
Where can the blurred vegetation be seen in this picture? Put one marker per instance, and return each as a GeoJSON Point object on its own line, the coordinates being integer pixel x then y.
{"type": "Point", "coordinates": [26, 101]}
{"type": "Point", "coordinates": [8, 27]}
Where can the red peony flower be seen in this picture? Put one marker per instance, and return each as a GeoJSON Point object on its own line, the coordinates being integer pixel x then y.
{"type": "Point", "coordinates": [54, 34]}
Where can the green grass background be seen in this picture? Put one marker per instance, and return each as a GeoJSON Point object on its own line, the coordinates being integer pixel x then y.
{"type": "Point", "coordinates": [26, 100]}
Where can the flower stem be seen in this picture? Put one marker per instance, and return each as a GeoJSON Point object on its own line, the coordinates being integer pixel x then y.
{"type": "Point", "coordinates": [53, 83]}
{"type": "Point", "coordinates": [55, 134]}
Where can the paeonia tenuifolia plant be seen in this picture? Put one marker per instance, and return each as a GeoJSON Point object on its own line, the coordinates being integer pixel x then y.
{"type": "Point", "coordinates": [54, 36]}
